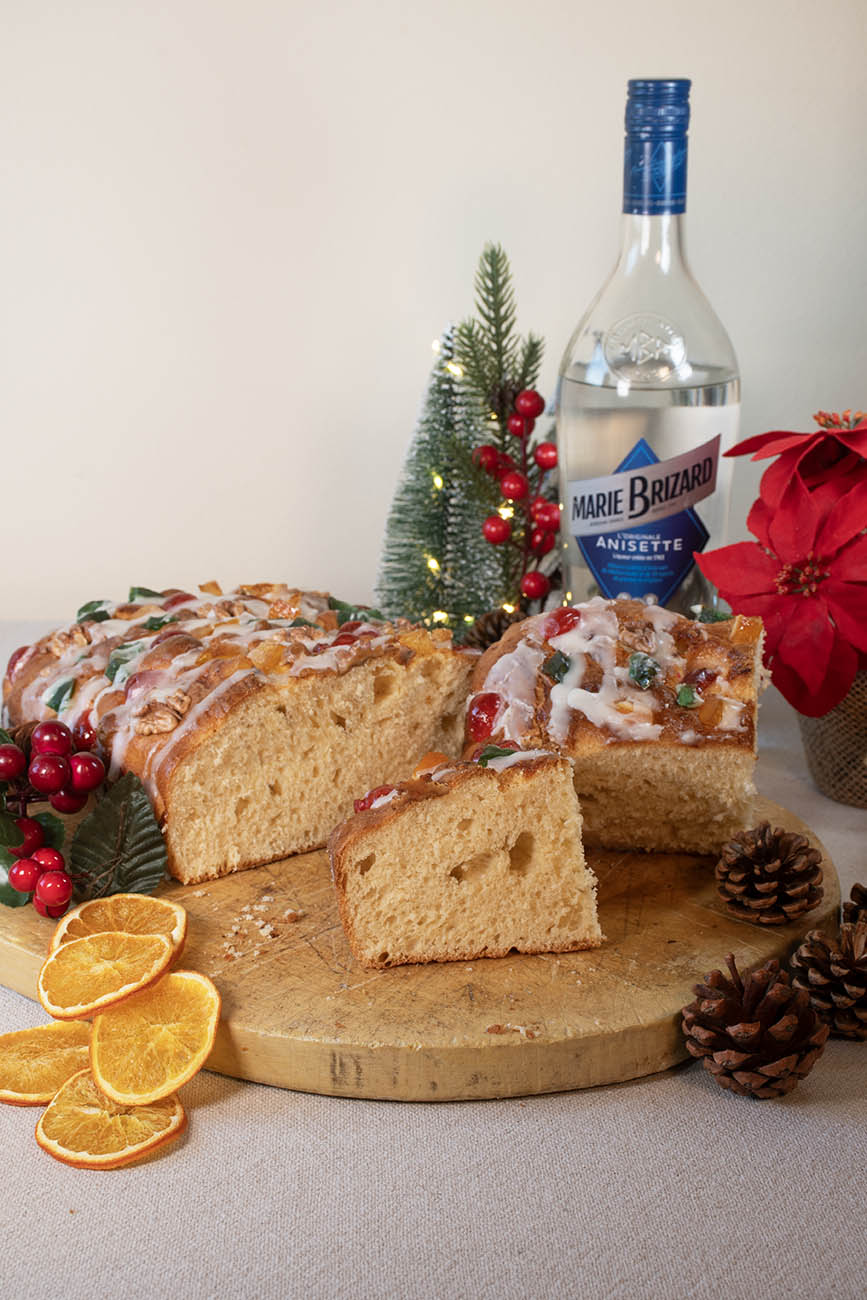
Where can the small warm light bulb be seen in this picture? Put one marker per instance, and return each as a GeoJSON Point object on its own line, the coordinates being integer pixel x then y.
{"type": "Point", "coordinates": [435, 345]}
{"type": "Point", "coordinates": [454, 369]}
{"type": "Point", "coordinates": [438, 482]}
{"type": "Point", "coordinates": [506, 512]}
{"type": "Point", "coordinates": [510, 609]}
{"type": "Point", "coordinates": [440, 616]}
{"type": "Point", "coordinates": [433, 565]}
{"type": "Point", "coordinates": [468, 618]}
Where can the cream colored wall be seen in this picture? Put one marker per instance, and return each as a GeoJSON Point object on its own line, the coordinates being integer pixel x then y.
{"type": "Point", "coordinates": [230, 230]}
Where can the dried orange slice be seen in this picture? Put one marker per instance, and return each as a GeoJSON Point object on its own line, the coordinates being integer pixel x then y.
{"type": "Point", "coordinates": [34, 1063]}
{"type": "Point", "coordinates": [155, 1041]}
{"type": "Point", "coordinates": [132, 913]}
{"type": "Point", "coordinates": [84, 975]}
{"type": "Point", "coordinates": [83, 1128]}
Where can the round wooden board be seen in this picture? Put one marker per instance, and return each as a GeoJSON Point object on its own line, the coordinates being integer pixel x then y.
{"type": "Point", "coordinates": [300, 1013]}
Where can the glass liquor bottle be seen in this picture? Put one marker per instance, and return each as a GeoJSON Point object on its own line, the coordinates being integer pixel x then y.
{"type": "Point", "coordinates": [649, 393]}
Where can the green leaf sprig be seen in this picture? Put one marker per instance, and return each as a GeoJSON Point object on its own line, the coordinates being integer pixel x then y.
{"type": "Point", "coordinates": [144, 593]}
{"type": "Point", "coordinates": [118, 848]}
{"type": "Point", "coordinates": [688, 697]}
{"type": "Point", "coordinates": [493, 751]}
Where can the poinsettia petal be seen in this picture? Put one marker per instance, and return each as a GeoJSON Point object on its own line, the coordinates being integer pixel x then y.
{"type": "Point", "coordinates": [808, 640]}
{"type": "Point", "coordinates": [793, 528]}
{"type": "Point", "coordinates": [844, 521]}
{"type": "Point", "coordinates": [759, 521]}
{"type": "Point", "coordinates": [847, 602]}
{"type": "Point", "coordinates": [855, 439]}
{"type": "Point", "coordinates": [742, 569]}
{"type": "Point", "coordinates": [850, 564]}
{"type": "Point", "coordinates": [769, 444]}
{"type": "Point", "coordinates": [842, 667]}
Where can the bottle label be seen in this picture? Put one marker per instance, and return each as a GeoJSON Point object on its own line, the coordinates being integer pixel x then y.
{"type": "Point", "coordinates": [654, 175]}
{"type": "Point", "coordinates": [637, 528]}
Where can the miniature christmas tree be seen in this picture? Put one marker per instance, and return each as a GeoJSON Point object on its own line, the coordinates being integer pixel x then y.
{"type": "Point", "coordinates": [470, 524]}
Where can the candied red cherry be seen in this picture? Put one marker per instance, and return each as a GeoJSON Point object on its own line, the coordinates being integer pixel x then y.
{"type": "Point", "coordinates": [519, 426]}
{"type": "Point", "coordinates": [487, 457]}
{"type": "Point", "coordinates": [497, 530]}
{"type": "Point", "coordinates": [84, 732]}
{"type": "Point", "coordinates": [482, 714]}
{"type": "Point", "coordinates": [15, 660]}
{"type": "Point", "coordinates": [54, 888]}
{"type": "Point", "coordinates": [49, 859]}
{"type": "Point", "coordinates": [87, 771]}
{"type": "Point", "coordinates": [530, 403]}
{"type": "Point", "coordinates": [33, 837]}
{"type": "Point", "coordinates": [45, 909]}
{"type": "Point", "coordinates": [180, 598]}
{"type": "Point", "coordinates": [362, 805]}
{"type": "Point", "coordinates": [51, 738]}
{"type": "Point", "coordinates": [68, 801]}
{"type": "Point", "coordinates": [560, 621]}
{"type": "Point", "coordinates": [13, 762]}
{"type": "Point", "coordinates": [24, 875]}
{"type": "Point", "coordinates": [351, 625]}
{"type": "Point", "coordinates": [541, 541]}
{"type": "Point", "coordinates": [48, 773]}
{"type": "Point", "coordinates": [545, 455]}
{"type": "Point", "coordinates": [345, 638]}
{"type": "Point", "coordinates": [534, 585]}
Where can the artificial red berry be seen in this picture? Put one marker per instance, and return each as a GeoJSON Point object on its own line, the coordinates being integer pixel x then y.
{"type": "Point", "coordinates": [548, 516]}
{"type": "Point", "coordinates": [68, 801]}
{"type": "Point", "coordinates": [33, 837]}
{"type": "Point", "coordinates": [48, 773]}
{"type": "Point", "coordinates": [24, 875]}
{"type": "Point", "coordinates": [54, 888]}
{"type": "Point", "coordinates": [520, 426]}
{"type": "Point", "coordinates": [534, 585]}
{"type": "Point", "coordinates": [45, 909]}
{"type": "Point", "coordinates": [482, 714]}
{"type": "Point", "coordinates": [49, 859]}
{"type": "Point", "coordinates": [542, 541]}
{"type": "Point", "coordinates": [530, 403]}
{"type": "Point", "coordinates": [179, 598]}
{"type": "Point", "coordinates": [13, 761]}
{"type": "Point", "coordinates": [537, 504]}
{"type": "Point", "coordinates": [487, 457]}
{"type": "Point", "coordinates": [51, 738]}
{"type": "Point", "coordinates": [84, 732]}
{"type": "Point", "coordinates": [560, 621]}
{"type": "Point", "coordinates": [505, 462]}
{"type": "Point", "coordinates": [15, 660]}
{"type": "Point", "coordinates": [361, 805]}
{"type": "Point", "coordinates": [496, 529]}
{"type": "Point", "coordinates": [514, 485]}
{"type": "Point", "coordinates": [545, 455]}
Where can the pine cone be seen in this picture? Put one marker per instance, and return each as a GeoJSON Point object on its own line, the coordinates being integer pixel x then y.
{"type": "Point", "coordinates": [769, 877]}
{"type": "Point", "coordinates": [489, 627]}
{"type": "Point", "coordinates": [833, 972]}
{"type": "Point", "coordinates": [856, 909]}
{"type": "Point", "coordinates": [757, 1037]}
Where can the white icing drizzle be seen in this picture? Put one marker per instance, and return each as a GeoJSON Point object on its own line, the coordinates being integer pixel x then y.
{"type": "Point", "coordinates": [513, 678]}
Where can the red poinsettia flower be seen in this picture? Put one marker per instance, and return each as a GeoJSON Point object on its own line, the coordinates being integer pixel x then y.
{"type": "Point", "coordinates": [806, 577]}
{"type": "Point", "coordinates": [828, 461]}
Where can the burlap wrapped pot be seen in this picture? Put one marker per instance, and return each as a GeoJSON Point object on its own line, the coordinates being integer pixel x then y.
{"type": "Point", "coordinates": [836, 747]}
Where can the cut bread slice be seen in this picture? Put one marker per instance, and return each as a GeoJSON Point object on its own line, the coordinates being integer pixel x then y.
{"type": "Point", "coordinates": [251, 718]}
{"type": "Point", "coordinates": [469, 860]}
{"type": "Point", "coordinates": [657, 712]}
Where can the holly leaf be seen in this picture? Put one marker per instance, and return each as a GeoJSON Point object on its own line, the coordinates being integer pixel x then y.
{"type": "Point", "coordinates": [9, 832]}
{"type": "Point", "coordinates": [53, 830]}
{"type": "Point", "coordinates": [144, 593]}
{"type": "Point", "coordinates": [5, 738]}
{"type": "Point", "coordinates": [118, 848]}
{"type": "Point", "coordinates": [8, 896]}
{"type": "Point", "coordinates": [493, 751]}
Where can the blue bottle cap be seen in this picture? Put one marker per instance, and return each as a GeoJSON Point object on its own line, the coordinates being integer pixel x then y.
{"type": "Point", "coordinates": [657, 109]}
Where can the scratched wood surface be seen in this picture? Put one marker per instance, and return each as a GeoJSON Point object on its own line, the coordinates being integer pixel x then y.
{"type": "Point", "coordinates": [300, 1013]}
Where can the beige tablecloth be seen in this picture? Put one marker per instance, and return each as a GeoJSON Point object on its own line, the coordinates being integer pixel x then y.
{"type": "Point", "coordinates": [664, 1187]}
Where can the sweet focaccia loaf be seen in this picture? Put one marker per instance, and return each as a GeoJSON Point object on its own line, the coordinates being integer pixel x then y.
{"type": "Point", "coordinates": [252, 718]}
{"type": "Point", "coordinates": [657, 712]}
{"type": "Point", "coordinates": [467, 860]}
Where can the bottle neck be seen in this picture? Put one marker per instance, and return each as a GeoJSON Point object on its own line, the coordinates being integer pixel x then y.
{"type": "Point", "coordinates": [654, 174]}
{"type": "Point", "coordinates": [647, 242]}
